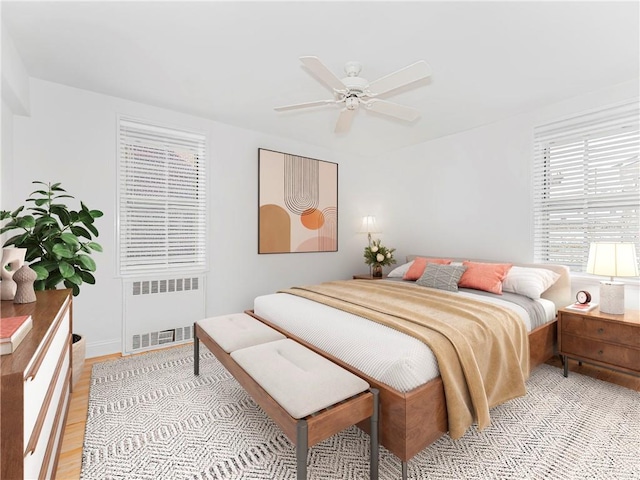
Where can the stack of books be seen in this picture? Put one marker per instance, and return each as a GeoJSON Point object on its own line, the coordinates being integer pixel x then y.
{"type": "Point", "coordinates": [12, 332]}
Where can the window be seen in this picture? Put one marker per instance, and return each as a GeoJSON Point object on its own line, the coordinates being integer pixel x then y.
{"type": "Point", "coordinates": [586, 184]}
{"type": "Point", "coordinates": [162, 199]}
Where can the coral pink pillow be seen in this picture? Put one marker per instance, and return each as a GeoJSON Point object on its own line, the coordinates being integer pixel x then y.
{"type": "Point", "coordinates": [484, 276]}
{"type": "Point", "coordinates": [419, 264]}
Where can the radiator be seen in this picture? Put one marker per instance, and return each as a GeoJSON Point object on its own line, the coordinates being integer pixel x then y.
{"type": "Point", "coordinates": [159, 312]}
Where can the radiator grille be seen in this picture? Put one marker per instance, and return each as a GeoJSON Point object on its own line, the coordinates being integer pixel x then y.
{"type": "Point", "coordinates": [163, 337]}
{"type": "Point", "coordinates": [147, 287]}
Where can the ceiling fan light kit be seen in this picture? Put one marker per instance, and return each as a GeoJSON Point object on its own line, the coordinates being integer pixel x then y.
{"type": "Point", "coordinates": [353, 91]}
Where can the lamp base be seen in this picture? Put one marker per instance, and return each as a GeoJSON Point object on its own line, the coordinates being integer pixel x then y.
{"type": "Point", "coordinates": [612, 297]}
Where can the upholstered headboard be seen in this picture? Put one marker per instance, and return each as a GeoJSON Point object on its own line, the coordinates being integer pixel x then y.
{"type": "Point", "coordinates": [559, 293]}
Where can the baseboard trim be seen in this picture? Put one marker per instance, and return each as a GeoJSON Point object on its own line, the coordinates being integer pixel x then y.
{"type": "Point", "coordinates": [104, 347]}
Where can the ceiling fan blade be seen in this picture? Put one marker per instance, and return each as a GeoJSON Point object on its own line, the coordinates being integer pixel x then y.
{"type": "Point", "coordinates": [322, 73]}
{"type": "Point", "coordinates": [400, 78]}
{"type": "Point", "coordinates": [304, 105]}
{"type": "Point", "coordinates": [393, 109]}
{"type": "Point", "coordinates": [344, 120]}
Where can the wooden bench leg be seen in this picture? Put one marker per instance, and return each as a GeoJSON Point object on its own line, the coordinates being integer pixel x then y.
{"type": "Point", "coordinates": [301, 449]}
{"type": "Point", "coordinates": [374, 447]}
{"type": "Point", "coordinates": [196, 352]}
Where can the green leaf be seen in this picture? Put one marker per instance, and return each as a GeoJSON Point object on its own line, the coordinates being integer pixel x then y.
{"type": "Point", "coordinates": [87, 262]}
{"type": "Point", "coordinates": [92, 229]}
{"type": "Point", "coordinates": [17, 211]}
{"type": "Point", "coordinates": [40, 271]}
{"type": "Point", "coordinates": [94, 246]}
{"type": "Point", "coordinates": [62, 250]}
{"type": "Point", "coordinates": [26, 222]}
{"type": "Point", "coordinates": [75, 288]}
{"type": "Point", "coordinates": [96, 213]}
{"type": "Point", "coordinates": [80, 232]}
{"type": "Point", "coordinates": [62, 214]}
{"type": "Point", "coordinates": [87, 277]}
{"type": "Point", "coordinates": [41, 192]}
{"type": "Point", "coordinates": [66, 270]}
{"type": "Point", "coordinates": [39, 285]}
{"type": "Point", "coordinates": [70, 239]}
{"type": "Point", "coordinates": [16, 240]}
{"type": "Point", "coordinates": [41, 201]}
{"type": "Point", "coordinates": [4, 214]}
{"type": "Point", "coordinates": [85, 217]}
{"type": "Point", "coordinates": [46, 221]}
{"type": "Point", "coordinates": [75, 279]}
{"type": "Point", "coordinates": [56, 186]}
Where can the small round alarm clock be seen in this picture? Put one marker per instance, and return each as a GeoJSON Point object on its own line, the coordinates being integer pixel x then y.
{"type": "Point", "coordinates": [583, 297]}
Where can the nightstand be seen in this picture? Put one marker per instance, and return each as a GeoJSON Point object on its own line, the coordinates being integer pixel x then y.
{"type": "Point", "coordinates": [367, 276]}
{"type": "Point", "coordinates": [603, 339]}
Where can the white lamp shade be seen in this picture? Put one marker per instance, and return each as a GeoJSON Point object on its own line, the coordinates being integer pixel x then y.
{"type": "Point", "coordinates": [369, 225]}
{"type": "Point", "coordinates": [613, 259]}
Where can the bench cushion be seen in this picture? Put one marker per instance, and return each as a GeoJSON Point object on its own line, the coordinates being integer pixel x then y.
{"type": "Point", "coordinates": [300, 380]}
{"type": "Point", "coordinates": [238, 330]}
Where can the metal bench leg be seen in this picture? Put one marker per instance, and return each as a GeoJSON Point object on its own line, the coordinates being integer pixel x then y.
{"type": "Point", "coordinates": [196, 352]}
{"type": "Point", "coordinates": [374, 448]}
{"type": "Point", "coordinates": [404, 470]}
{"type": "Point", "coordinates": [301, 449]}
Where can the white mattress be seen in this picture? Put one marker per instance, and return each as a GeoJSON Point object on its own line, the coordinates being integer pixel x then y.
{"type": "Point", "coordinates": [391, 357]}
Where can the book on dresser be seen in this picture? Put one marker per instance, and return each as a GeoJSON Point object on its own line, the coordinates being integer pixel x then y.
{"type": "Point", "coordinates": [12, 332]}
{"type": "Point", "coordinates": [581, 307]}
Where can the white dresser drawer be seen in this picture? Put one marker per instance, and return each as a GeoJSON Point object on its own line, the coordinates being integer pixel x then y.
{"type": "Point", "coordinates": [34, 461]}
{"type": "Point", "coordinates": [35, 388]}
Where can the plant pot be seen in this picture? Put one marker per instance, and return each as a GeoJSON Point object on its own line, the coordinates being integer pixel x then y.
{"type": "Point", "coordinates": [78, 353]}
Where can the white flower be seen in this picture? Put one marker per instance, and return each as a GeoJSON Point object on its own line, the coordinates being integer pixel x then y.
{"type": "Point", "coordinates": [389, 255]}
{"type": "Point", "coordinates": [380, 257]}
{"type": "Point", "coordinates": [374, 249]}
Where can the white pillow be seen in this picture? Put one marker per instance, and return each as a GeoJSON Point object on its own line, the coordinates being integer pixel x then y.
{"type": "Point", "coordinates": [400, 271]}
{"type": "Point", "coordinates": [530, 282]}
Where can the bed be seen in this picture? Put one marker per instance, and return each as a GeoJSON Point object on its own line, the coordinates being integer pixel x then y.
{"type": "Point", "coordinates": [413, 408]}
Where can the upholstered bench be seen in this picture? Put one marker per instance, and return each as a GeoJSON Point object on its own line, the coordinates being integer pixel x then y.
{"type": "Point", "coordinates": [308, 396]}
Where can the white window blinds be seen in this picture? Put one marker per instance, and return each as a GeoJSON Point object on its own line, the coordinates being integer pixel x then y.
{"type": "Point", "coordinates": [586, 184]}
{"type": "Point", "coordinates": [162, 199]}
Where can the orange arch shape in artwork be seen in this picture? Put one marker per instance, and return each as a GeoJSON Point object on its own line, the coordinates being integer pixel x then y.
{"type": "Point", "coordinates": [313, 219]}
{"type": "Point", "coordinates": [275, 230]}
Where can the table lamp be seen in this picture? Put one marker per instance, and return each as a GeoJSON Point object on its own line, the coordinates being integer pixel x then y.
{"type": "Point", "coordinates": [612, 260]}
{"type": "Point", "coordinates": [369, 226]}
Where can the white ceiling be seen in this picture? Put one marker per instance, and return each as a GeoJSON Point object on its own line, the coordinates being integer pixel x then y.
{"type": "Point", "coordinates": [234, 61]}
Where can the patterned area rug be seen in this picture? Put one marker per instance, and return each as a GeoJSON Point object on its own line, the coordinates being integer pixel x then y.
{"type": "Point", "coordinates": [151, 418]}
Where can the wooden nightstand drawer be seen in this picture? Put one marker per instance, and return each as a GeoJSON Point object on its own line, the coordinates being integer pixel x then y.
{"type": "Point", "coordinates": [602, 352]}
{"type": "Point", "coordinates": [600, 330]}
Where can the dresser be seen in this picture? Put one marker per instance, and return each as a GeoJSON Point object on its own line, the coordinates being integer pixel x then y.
{"type": "Point", "coordinates": [603, 339]}
{"type": "Point", "coordinates": [35, 388]}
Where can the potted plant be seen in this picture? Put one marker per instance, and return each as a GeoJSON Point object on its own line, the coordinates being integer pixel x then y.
{"type": "Point", "coordinates": [377, 255]}
{"type": "Point", "coordinates": [58, 243]}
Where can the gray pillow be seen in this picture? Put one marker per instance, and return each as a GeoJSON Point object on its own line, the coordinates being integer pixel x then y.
{"type": "Point", "coordinates": [443, 277]}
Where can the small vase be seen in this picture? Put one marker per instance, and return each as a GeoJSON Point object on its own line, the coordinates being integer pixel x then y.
{"type": "Point", "coordinates": [13, 258]}
{"type": "Point", "coordinates": [24, 278]}
{"type": "Point", "coordinates": [376, 271]}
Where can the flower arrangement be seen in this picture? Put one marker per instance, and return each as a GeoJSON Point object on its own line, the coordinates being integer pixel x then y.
{"type": "Point", "coordinates": [377, 255]}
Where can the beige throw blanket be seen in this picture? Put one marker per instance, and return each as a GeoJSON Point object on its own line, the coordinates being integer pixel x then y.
{"type": "Point", "coordinates": [482, 349]}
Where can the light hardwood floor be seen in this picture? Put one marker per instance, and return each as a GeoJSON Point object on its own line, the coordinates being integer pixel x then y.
{"type": "Point", "coordinates": [70, 461]}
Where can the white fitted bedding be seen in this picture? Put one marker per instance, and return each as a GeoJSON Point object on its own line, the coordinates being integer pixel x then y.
{"type": "Point", "coordinates": [391, 357]}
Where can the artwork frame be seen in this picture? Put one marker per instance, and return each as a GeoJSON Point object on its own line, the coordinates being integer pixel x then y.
{"type": "Point", "coordinates": [297, 203]}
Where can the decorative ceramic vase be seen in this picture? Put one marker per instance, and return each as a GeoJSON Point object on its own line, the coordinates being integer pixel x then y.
{"type": "Point", "coordinates": [14, 259]}
{"type": "Point", "coordinates": [24, 278]}
{"type": "Point", "coordinates": [376, 270]}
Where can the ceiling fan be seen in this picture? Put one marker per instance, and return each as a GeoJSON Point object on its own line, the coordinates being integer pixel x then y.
{"type": "Point", "coordinates": [354, 91]}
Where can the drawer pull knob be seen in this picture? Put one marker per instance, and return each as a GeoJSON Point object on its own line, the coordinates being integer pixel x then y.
{"type": "Point", "coordinates": [601, 330]}
{"type": "Point", "coordinates": [600, 352]}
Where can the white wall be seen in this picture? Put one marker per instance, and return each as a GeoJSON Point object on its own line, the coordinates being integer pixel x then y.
{"type": "Point", "coordinates": [70, 137]}
{"type": "Point", "coordinates": [469, 194]}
